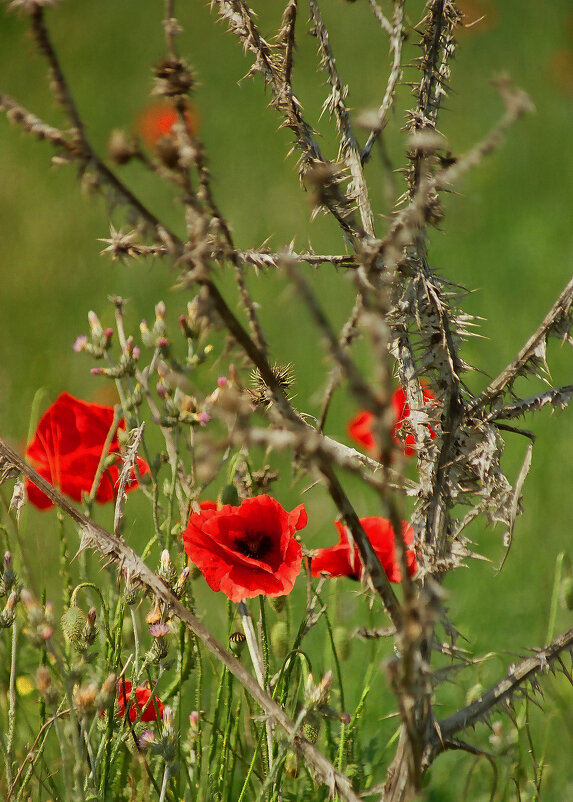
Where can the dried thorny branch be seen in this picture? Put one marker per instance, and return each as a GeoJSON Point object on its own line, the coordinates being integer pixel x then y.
{"type": "Point", "coordinates": [408, 315]}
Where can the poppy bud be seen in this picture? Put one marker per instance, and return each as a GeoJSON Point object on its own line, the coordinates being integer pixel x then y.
{"type": "Point", "coordinates": [279, 639]}
{"type": "Point", "coordinates": [73, 622]}
{"type": "Point", "coordinates": [229, 495]}
{"type": "Point", "coordinates": [342, 642]}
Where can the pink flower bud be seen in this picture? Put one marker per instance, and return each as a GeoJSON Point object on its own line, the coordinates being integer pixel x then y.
{"type": "Point", "coordinates": [80, 343]}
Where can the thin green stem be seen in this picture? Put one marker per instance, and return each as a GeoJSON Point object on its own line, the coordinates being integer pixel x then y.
{"type": "Point", "coordinates": [12, 698]}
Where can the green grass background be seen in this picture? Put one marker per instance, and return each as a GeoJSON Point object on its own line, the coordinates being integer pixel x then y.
{"type": "Point", "coordinates": [507, 235]}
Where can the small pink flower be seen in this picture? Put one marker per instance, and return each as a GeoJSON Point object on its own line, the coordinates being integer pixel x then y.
{"type": "Point", "coordinates": [159, 630]}
{"type": "Point", "coordinates": [80, 343]}
{"type": "Point", "coordinates": [203, 418]}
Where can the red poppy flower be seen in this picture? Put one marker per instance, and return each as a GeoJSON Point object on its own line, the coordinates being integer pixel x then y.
{"type": "Point", "coordinates": [157, 119]}
{"type": "Point", "coordinates": [360, 426]}
{"type": "Point", "coordinates": [152, 712]}
{"type": "Point", "coordinates": [248, 550]}
{"type": "Point", "coordinates": [208, 505]}
{"type": "Point", "coordinates": [344, 559]}
{"type": "Point", "coordinates": [67, 447]}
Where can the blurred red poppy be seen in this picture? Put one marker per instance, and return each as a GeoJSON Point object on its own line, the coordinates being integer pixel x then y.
{"type": "Point", "coordinates": [344, 559]}
{"type": "Point", "coordinates": [66, 450]}
{"type": "Point", "coordinates": [249, 550]}
{"type": "Point", "coordinates": [158, 118]}
{"type": "Point", "coordinates": [152, 712]}
{"type": "Point", "coordinates": [360, 426]}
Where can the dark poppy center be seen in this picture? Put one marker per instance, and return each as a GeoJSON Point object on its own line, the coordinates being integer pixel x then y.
{"type": "Point", "coordinates": [255, 545]}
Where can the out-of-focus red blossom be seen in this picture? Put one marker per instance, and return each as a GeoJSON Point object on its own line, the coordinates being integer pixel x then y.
{"type": "Point", "coordinates": [152, 712]}
{"type": "Point", "coordinates": [208, 505]}
{"type": "Point", "coordinates": [249, 550]}
{"type": "Point", "coordinates": [344, 559]}
{"type": "Point", "coordinates": [158, 118]}
{"type": "Point", "coordinates": [66, 450]}
{"type": "Point", "coordinates": [560, 68]}
{"type": "Point", "coordinates": [360, 426]}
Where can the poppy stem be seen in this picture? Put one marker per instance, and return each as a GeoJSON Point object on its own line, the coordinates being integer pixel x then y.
{"type": "Point", "coordinates": [258, 665]}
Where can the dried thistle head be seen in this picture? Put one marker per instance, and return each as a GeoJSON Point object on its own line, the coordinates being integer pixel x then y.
{"type": "Point", "coordinates": [260, 393]}
{"type": "Point", "coordinates": [120, 148]}
{"type": "Point", "coordinates": [173, 77]}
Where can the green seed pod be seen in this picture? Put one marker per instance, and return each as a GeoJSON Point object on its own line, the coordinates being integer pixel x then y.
{"type": "Point", "coordinates": [279, 639]}
{"type": "Point", "coordinates": [236, 643]}
{"type": "Point", "coordinates": [342, 642]}
{"type": "Point", "coordinates": [311, 727]}
{"type": "Point", "coordinates": [73, 622]}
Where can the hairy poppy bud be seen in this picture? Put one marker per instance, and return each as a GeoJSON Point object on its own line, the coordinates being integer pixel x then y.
{"type": "Point", "coordinates": [279, 639]}
{"type": "Point", "coordinates": [229, 495]}
{"type": "Point", "coordinates": [342, 642]}
{"type": "Point", "coordinates": [73, 622]}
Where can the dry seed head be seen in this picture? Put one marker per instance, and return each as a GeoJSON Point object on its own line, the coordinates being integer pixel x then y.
{"type": "Point", "coordinates": [107, 692]}
{"type": "Point", "coordinates": [260, 394]}
{"type": "Point", "coordinates": [84, 698]}
{"type": "Point", "coordinates": [43, 679]}
{"type": "Point", "coordinates": [173, 78]}
{"type": "Point", "coordinates": [155, 614]}
{"type": "Point", "coordinates": [167, 151]}
{"type": "Point", "coordinates": [120, 149]}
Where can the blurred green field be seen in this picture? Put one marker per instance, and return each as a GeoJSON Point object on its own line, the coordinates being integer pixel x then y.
{"type": "Point", "coordinates": [507, 234]}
